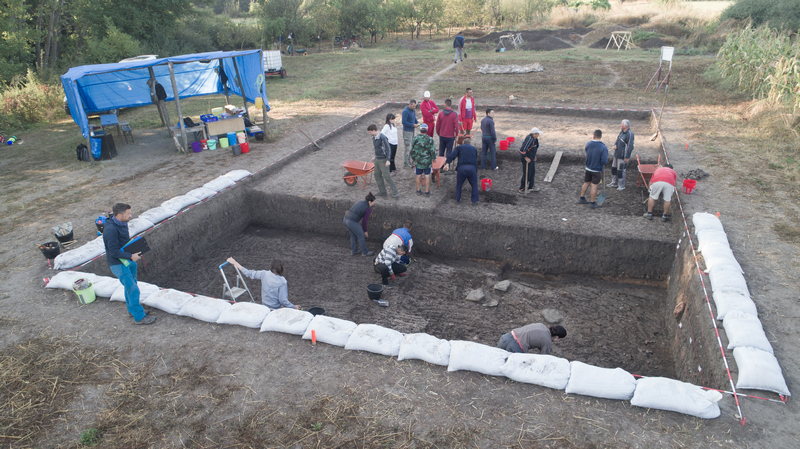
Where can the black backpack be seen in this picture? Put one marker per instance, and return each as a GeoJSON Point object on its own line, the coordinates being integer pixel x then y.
{"type": "Point", "coordinates": [83, 153]}
{"type": "Point", "coordinates": [188, 122]}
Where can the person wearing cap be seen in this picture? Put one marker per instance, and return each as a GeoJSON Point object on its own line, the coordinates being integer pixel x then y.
{"type": "Point", "coordinates": [622, 154]}
{"type": "Point", "coordinates": [537, 335]}
{"type": "Point", "coordinates": [661, 183]}
{"type": "Point", "coordinates": [488, 139]}
{"type": "Point", "coordinates": [429, 111]}
{"type": "Point", "coordinates": [423, 152]}
{"type": "Point", "coordinates": [467, 168]}
{"type": "Point", "coordinates": [466, 111]}
{"type": "Point", "coordinates": [409, 120]}
{"type": "Point", "coordinates": [527, 153]}
{"type": "Point", "coordinates": [596, 159]}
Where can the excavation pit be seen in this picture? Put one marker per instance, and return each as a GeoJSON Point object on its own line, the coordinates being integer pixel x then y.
{"type": "Point", "coordinates": [604, 269]}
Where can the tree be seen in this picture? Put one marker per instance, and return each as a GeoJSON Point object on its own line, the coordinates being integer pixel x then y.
{"type": "Point", "coordinates": [778, 14]}
{"type": "Point", "coordinates": [15, 50]}
{"type": "Point", "coordinates": [426, 12]}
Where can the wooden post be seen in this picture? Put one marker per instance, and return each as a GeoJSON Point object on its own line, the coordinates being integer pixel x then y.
{"type": "Point", "coordinates": [153, 96]}
{"type": "Point", "coordinates": [241, 89]}
{"type": "Point", "coordinates": [178, 102]}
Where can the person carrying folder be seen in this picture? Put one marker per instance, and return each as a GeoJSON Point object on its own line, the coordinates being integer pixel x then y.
{"type": "Point", "coordinates": [122, 263]}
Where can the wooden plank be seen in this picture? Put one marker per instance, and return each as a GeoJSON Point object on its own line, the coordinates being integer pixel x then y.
{"type": "Point", "coordinates": [553, 167]}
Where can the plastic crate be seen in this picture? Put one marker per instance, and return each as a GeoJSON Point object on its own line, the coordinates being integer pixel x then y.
{"type": "Point", "coordinates": [209, 118]}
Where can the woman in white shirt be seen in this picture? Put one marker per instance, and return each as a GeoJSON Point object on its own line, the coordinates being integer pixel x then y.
{"type": "Point", "coordinates": [390, 131]}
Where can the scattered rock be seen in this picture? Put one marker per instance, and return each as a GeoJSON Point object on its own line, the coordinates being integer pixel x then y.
{"type": "Point", "coordinates": [475, 295]}
{"type": "Point", "coordinates": [552, 316]}
{"type": "Point", "coordinates": [491, 303]}
{"type": "Point", "coordinates": [502, 285]}
{"type": "Point", "coordinates": [696, 174]}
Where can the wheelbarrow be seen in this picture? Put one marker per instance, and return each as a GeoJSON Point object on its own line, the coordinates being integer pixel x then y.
{"type": "Point", "coordinates": [353, 170]}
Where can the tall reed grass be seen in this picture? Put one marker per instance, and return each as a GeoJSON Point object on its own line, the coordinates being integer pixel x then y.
{"type": "Point", "coordinates": [28, 101]}
{"type": "Point", "coordinates": [765, 63]}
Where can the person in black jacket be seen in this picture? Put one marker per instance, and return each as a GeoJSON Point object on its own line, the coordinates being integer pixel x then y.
{"type": "Point", "coordinates": [122, 263]}
{"type": "Point", "coordinates": [527, 153]}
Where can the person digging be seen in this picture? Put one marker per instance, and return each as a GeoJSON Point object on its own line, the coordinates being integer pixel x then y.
{"type": "Point", "coordinates": [535, 335]}
{"type": "Point", "coordinates": [388, 263]}
{"type": "Point", "coordinates": [661, 183]}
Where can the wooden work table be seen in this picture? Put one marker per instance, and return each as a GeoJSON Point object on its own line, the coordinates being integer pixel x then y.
{"type": "Point", "coordinates": [225, 126]}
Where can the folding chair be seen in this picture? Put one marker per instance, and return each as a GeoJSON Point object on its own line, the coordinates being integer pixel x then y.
{"type": "Point", "coordinates": [234, 292]}
{"type": "Point", "coordinates": [126, 131]}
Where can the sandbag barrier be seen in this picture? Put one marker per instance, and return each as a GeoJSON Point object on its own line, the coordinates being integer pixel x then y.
{"type": "Point", "coordinates": [151, 219]}
{"type": "Point", "coordinates": [758, 367]}
{"type": "Point", "coordinates": [535, 369]}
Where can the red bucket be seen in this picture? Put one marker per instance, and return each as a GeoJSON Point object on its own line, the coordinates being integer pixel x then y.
{"type": "Point", "coordinates": [486, 184]}
{"type": "Point", "coordinates": [204, 144]}
{"type": "Point", "coordinates": [510, 140]}
{"type": "Point", "coordinates": [688, 185]}
{"type": "Point", "coordinates": [245, 147]}
{"type": "Point", "coordinates": [503, 145]}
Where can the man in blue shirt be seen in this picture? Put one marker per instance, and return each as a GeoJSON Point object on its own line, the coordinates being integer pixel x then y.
{"type": "Point", "coordinates": [467, 168]}
{"type": "Point", "coordinates": [122, 263]}
{"type": "Point", "coordinates": [488, 139]}
{"type": "Point", "coordinates": [409, 123]}
{"type": "Point", "coordinates": [596, 159]}
{"type": "Point", "coordinates": [458, 44]}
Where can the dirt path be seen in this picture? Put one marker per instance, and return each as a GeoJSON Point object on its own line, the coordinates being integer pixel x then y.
{"type": "Point", "coordinates": [614, 75]}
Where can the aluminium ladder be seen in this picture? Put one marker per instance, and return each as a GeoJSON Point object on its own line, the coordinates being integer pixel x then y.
{"type": "Point", "coordinates": [234, 292]}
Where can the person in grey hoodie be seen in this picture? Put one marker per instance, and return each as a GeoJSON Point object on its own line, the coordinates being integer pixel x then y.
{"type": "Point", "coordinates": [274, 292]}
{"type": "Point", "coordinates": [622, 154]}
{"type": "Point", "coordinates": [383, 154]}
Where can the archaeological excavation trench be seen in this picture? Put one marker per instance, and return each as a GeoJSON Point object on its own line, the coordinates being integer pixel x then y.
{"type": "Point", "coordinates": [607, 271]}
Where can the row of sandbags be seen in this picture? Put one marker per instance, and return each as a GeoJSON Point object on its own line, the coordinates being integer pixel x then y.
{"type": "Point", "coordinates": [150, 218]}
{"type": "Point", "coordinates": [545, 370]}
{"type": "Point", "coordinates": [758, 367]}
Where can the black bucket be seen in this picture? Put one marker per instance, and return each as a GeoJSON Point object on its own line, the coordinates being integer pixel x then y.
{"type": "Point", "coordinates": [316, 311]}
{"type": "Point", "coordinates": [50, 249]}
{"type": "Point", "coordinates": [374, 291]}
{"type": "Point", "coordinates": [65, 238]}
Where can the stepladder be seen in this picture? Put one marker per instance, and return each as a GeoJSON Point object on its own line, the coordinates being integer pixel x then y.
{"type": "Point", "coordinates": [236, 291]}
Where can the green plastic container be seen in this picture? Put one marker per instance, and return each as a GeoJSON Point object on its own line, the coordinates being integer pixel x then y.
{"type": "Point", "coordinates": [223, 142]}
{"type": "Point", "coordinates": [85, 293]}
{"type": "Point", "coordinates": [212, 144]}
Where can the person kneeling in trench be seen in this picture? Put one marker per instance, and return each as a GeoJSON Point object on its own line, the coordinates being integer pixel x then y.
{"type": "Point", "coordinates": [274, 292]}
{"type": "Point", "coordinates": [388, 263]}
{"type": "Point", "coordinates": [535, 335]}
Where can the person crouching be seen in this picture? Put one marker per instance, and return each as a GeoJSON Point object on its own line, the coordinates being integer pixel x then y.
{"type": "Point", "coordinates": [388, 263]}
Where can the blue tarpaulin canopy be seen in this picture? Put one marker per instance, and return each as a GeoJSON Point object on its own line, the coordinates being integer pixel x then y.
{"type": "Point", "coordinates": [92, 89]}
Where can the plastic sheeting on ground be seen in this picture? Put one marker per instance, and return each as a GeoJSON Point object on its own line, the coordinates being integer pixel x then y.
{"type": "Point", "coordinates": [511, 68]}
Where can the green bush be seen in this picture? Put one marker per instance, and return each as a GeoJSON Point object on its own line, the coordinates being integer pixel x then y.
{"type": "Point", "coordinates": [90, 436]}
{"type": "Point", "coordinates": [639, 36]}
{"type": "Point", "coordinates": [778, 14]}
{"type": "Point", "coordinates": [28, 101]}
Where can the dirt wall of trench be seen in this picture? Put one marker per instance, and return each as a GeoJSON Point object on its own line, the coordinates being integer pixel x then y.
{"type": "Point", "coordinates": [524, 247]}
{"type": "Point", "coordinates": [691, 334]}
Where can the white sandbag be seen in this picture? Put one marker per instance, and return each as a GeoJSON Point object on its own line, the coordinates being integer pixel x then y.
{"type": "Point", "coordinates": [201, 193]}
{"type": "Point", "coordinates": [245, 314]}
{"type": "Point", "coordinates": [710, 236]}
{"type": "Point", "coordinates": [145, 290]}
{"type": "Point", "coordinates": [727, 302]}
{"type": "Point", "coordinates": [599, 382]}
{"type": "Point", "coordinates": [424, 347]}
{"type": "Point", "coordinates": [79, 255]}
{"type": "Point", "coordinates": [179, 202]}
{"type": "Point", "coordinates": [744, 329]}
{"type": "Point", "coordinates": [287, 320]}
{"type": "Point", "coordinates": [470, 356]}
{"type": "Point", "coordinates": [759, 370]}
{"type": "Point", "coordinates": [676, 396]}
{"type": "Point", "coordinates": [374, 338]}
{"type": "Point", "coordinates": [236, 175]}
{"type": "Point", "coordinates": [727, 277]}
{"type": "Point", "coordinates": [105, 286]}
{"type": "Point", "coordinates": [333, 331]}
{"type": "Point", "coordinates": [704, 221]}
{"type": "Point", "coordinates": [204, 308]}
{"type": "Point", "coordinates": [158, 214]}
{"type": "Point", "coordinates": [65, 279]}
{"type": "Point", "coordinates": [719, 254]}
{"type": "Point", "coordinates": [538, 369]}
{"type": "Point", "coordinates": [168, 300]}
{"type": "Point", "coordinates": [219, 183]}
{"type": "Point", "coordinates": [138, 225]}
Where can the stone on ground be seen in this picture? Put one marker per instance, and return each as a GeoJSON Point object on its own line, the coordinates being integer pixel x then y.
{"type": "Point", "coordinates": [552, 316]}
{"type": "Point", "coordinates": [475, 295]}
{"type": "Point", "coordinates": [502, 285]}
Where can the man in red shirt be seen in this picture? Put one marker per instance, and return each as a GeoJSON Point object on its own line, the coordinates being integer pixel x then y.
{"type": "Point", "coordinates": [447, 128]}
{"type": "Point", "coordinates": [429, 111]}
{"type": "Point", "coordinates": [466, 111]}
{"type": "Point", "coordinates": [661, 183]}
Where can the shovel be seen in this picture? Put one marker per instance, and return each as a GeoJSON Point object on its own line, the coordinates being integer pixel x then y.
{"type": "Point", "coordinates": [307, 133]}
{"type": "Point", "coordinates": [602, 197]}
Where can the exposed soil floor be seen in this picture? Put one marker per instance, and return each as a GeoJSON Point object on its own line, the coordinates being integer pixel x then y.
{"type": "Point", "coordinates": [608, 324]}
